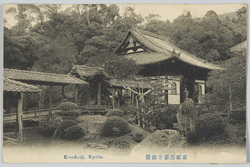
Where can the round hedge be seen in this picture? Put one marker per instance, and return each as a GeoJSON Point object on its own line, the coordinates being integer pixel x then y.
{"type": "Point", "coordinates": [74, 133]}
{"type": "Point", "coordinates": [115, 126]}
{"type": "Point", "coordinates": [48, 129]}
{"type": "Point", "coordinates": [62, 128]}
{"type": "Point", "coordinates": [67, 106]}
{"type": "Point", "coordinates": [209, 125]}
{"type": "Point", "coordinates": [115, 112]}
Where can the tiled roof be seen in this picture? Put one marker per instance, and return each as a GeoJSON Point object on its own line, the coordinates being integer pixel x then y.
{"type": "Point", "coordinates": [41, 77]}
{"type": "Point", "coordinates": [162, 49]}
{"type": "Point", "coordinates": [86, 72]}
{"type": "Point", "coordinates": [16, 86]}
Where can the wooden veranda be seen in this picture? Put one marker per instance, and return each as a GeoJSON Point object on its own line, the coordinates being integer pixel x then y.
{"type": "Point", "coordinates": [19, 88]}
{"type": "Point", "coordinates": [20, 80]}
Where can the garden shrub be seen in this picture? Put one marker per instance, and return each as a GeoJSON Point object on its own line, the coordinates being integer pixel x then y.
{"type": "Point", "coordinates": [237, 117]}
{"type": "Point", "coordinates": [115, 126]}
{"type": "Point", "coordinates": [115, 112]}
{"type": "Point", "coordinates": [163, 116]}
{"type": "Point", "coordinates": [69, 113]}
{"type": "Point", "coordinates": [192, 137]}
{"type": "Point", "coordinates": [209, 125]}
{"type": "Point", "coordinates": [62, 128]}
{"type": "Point", "coordinates": [129, 109]}
{"type": "Point", "coordinates": [138, 137]}
{"type": "Point", "coordinates": [47, 129]}
{"type": "Point", "coordinates": [121, 144]}
{"type": "Point", "coordinates": [67, 106]}
{"type": "Point", "coordinates": [74, 133]}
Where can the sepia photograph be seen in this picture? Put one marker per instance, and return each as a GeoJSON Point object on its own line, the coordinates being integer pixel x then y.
{"type": "Point", "coordinates": [124, 83]}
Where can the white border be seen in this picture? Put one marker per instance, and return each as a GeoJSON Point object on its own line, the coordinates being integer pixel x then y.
{"type": "Point", "coordinates": [115, 2]}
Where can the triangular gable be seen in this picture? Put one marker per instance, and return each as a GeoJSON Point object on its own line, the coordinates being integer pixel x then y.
{"type": "Point", "coordinates": [138, 41]}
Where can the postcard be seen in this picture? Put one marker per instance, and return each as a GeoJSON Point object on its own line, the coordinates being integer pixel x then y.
{"type": "Point", "coordinates": [124, 83]}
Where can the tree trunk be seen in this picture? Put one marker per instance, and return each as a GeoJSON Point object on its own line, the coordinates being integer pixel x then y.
{"type": "Point", "coordinates": [138, 112]}
{"type": "Point", "coordinates": [50, 102]}
{"type": "Point", "coordinates": [230, 98]}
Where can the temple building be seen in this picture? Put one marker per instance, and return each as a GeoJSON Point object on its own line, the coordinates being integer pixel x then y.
{"type": "Point", "coordinates": [164, 62]}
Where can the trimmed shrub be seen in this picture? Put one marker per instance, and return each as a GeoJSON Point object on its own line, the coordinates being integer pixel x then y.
{"type": "Point", "coordinates": [67, 106]}
{"type": "Point", "coordinates": [121, 144]}
{"type": "Point", "coordinates": [138, 137]}
{"type": "Point", "coordinates": [209, 125]}
{"type": "Point", "coordinates": [115, 126]}
{"type": "Point", "coordinates": [48, 129]}
{"type": "Point", "coordinates": [69, 113]}
{"type": "Point", "coordinates": [115, 112]}
{"type": "Point", "coordinates": [192, 137]}
{"type": "Point", "coordinates": [74, 133]}
{"type": "Point", "coordinates": [62, 128]}
{"type": "Point", "coordinates": [237, 117]}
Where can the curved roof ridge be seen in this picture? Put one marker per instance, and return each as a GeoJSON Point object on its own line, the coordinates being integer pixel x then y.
{"type": "Point", "coordinates": [134, 31]}
{"type": "Point", "coordinates": [176, 48]}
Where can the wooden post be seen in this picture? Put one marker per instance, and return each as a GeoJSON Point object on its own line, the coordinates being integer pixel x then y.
{"type": "Point", "coordinates": [50, 102]}
{"type": "Point", "coordinates": [17, 127]}
{"type": "Point", "coordinates": [230, 98]}
{"type": "Point", "coordinates": [113, 98]}
{"type": "Point", "coordinates": [63, 93]}
{"type": "Point", "coordinates": [20, 117]}
{"type": "Point", "coordinates": [132, 98]}
{"type": "Point", "coordinates": [39, 108]}
{"type": "Point", "coordinates": [119, 98]}
{"type": "Point", "coordinates": [77, 94]}
{"type": "Point", "coordinates": [88, 95]}
{"type": "Point", "coordinates": [99, 94]}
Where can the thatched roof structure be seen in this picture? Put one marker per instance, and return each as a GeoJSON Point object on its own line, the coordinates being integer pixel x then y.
{"type": "Point", "coordinates": [86, 72]}
{"type": "Point", "coordinates": [41, 78]}
{"type": "Point", "coordinates": [16, 86]}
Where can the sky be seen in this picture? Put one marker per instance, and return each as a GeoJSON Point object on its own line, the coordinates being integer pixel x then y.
{"type": "Point", "coordinates": [166, 11]}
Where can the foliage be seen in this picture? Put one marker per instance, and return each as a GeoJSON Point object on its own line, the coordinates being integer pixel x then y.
{"type": "Point", "coordinates": [116, 66]}
{"type": "Point", "coordinates": [115, 112]}
{"type": "Point", "coordinates": [163, 116]}
{"type": "Point", "coordinates": [220, 81]}
{"type": "Point", "coordinates": [47, 129]}
{"type": "Point", "coordinates": [69, 113]}
{"type": "Point", "coordinates": [62, 128]}
{"type": "Point", "coordinates": [115, 126]}
{"type": "Point", "coordinates": [67, 106]}
{"type": "Point", "coordinates": [209, 125]}
{"type": "Point", "coordinates": [45, 35]}
{"type": "Point", "coordinates": [138, 137]}
{"type": "Point", "coordinates": [237, 117]}
{"type": "Point", "coordinates": [122, 144]}
{"type": "Point", "coordinates": [74, 133]}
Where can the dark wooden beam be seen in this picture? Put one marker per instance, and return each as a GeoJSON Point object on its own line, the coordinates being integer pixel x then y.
{"type": "Point", "coordinates": [50, 102]}
{"type": "Point", "coordinates": [99, 93]}
{"type": "Point", "coordinates": [77, 94]}
{"type": "Point", "coordinates": [88, 95]}
{"type": "Point", "coordinates": [40, 108]}
{"type": "Point", "coordinates": [132, 98]}
{"type": "Point", "coordinates": [20, 117]}
{"type": "Point", "coordinates": [119, 98]}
